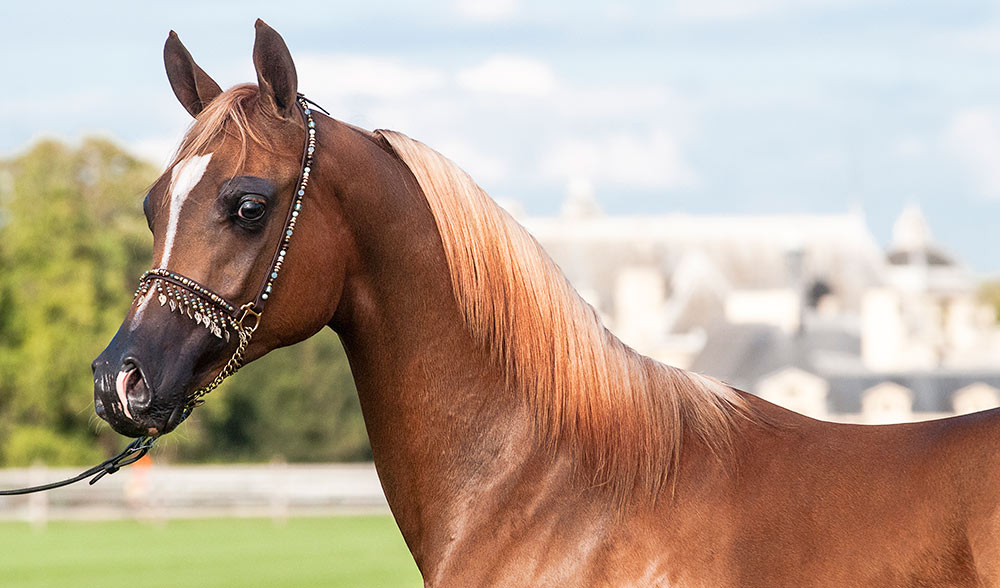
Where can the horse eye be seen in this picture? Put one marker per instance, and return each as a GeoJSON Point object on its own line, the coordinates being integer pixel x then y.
{"type": "Point", "coordinates": [251, 210]}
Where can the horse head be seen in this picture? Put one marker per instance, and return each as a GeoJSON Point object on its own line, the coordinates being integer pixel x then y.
{"type": "Point", "coordinates": [222, 216]}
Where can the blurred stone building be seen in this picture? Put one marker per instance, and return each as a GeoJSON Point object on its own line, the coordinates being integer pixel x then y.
{"type": "Point", "coordinates": [807, 311]}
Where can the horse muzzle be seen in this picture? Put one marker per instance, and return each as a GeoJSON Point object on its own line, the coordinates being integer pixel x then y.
{"type": "Point", "coordinates": [124, 397]}
{"type": "Point", "coordinates": [143, 378]}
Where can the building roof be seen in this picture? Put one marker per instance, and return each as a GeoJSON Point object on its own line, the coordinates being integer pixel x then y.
{"type": "Point", "coordinates": [742, 355]}
{"type": "Point", "coordinates": [747, 252]}
{"type": "Point", "coordinates": [932, 391]}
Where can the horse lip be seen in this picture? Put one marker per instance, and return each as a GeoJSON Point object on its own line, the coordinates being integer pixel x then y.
{"type": "Point", "coordinates": [99, 407]}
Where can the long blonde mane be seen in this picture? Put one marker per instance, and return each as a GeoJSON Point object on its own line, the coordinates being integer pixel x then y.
{"type": "Point", "coordinates": [621, 413]}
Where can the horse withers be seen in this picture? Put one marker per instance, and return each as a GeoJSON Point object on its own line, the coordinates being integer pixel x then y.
{"type": "Point", "coordinates": [518, 441]}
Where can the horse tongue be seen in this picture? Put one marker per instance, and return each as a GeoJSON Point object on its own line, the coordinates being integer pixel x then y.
{"type": "Point", "coordinates": [121, 386]}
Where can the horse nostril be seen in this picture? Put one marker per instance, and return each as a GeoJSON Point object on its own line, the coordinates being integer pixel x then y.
{"type": "Point", "coordinates": [132, 388]}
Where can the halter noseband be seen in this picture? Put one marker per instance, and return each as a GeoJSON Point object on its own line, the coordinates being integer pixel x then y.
{"type": "Point", "coordinates": [194, 301]}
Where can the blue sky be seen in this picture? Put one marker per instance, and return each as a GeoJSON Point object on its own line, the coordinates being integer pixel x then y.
{"type": "Point", "coordinates": [702, 106]}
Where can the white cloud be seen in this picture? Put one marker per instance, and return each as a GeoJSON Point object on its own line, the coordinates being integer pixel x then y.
{"type": "Point", "coordinates": [487, 118]}
{"type": "Point", "coordinates": [487, 10]}
{"type": "Point", "coordinates": [720, 9]}
{"type": "Point", "coordinates": [910, 147]}
{"type": "Point", "coordinates": [651, 162]}
{"type": "Point", "coordinates": [427, 117]}
{"type": "Point", "coordinates": [985, 38]}
{"type": "Point", "coordinates": [973, 137]}
{"type": "Point", "coordinates": [651, 105]}
{"type": "Point", "coordinates": [744, 9]}
{"type": "Point", "coordinates": [507, 74]}
{"type": "Point", "coordinates": [80, 102]}
{"type": "Point", "coordinates": [155, 150]}
{"type": "Point", "coordinates": [339, 75]}
{"type": "Point", "coordinates": [482, 167]}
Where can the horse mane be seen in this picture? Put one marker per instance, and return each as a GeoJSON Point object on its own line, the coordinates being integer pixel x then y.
{"type": "Point", "coordinates": [623, 415]}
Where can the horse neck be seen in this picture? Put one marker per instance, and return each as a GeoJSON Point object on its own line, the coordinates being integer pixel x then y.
{"type": "Point", "coordinates": [439, 416]}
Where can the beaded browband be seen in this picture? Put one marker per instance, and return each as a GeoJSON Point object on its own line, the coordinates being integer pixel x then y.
{"type": "Point", "coordinates": [194, 301]}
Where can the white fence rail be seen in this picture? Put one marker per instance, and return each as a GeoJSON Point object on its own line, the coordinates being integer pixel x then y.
{"type": "Point", "coordinates": [171, 491]}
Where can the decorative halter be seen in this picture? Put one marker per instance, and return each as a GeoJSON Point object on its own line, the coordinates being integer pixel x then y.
{"type": "Point", "coordinates": [212, 311]}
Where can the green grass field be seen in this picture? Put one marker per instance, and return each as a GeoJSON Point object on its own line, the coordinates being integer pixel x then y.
{"type": "Point", "coordinates": [354, 551]}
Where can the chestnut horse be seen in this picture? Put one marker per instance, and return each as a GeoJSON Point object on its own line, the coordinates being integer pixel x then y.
{"type": "Point", "coordinates": [518, 441]}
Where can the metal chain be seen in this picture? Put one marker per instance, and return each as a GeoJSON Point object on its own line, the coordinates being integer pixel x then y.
{"type": "Point", "coordinates": [245, 333]}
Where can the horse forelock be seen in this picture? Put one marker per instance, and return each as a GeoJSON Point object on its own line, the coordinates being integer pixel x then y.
{"type": "Point", "coordinates": [227, 113]}
{"type": "Point", "coordinates": [623, 414]}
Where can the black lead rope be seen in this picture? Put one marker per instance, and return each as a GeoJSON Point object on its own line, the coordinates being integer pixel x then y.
{"type": "Point", "coordinates": [131, 454]}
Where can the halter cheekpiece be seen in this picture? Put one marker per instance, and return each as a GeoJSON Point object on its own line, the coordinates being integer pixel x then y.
{"type": "Point", "coordinates": [196, 302]}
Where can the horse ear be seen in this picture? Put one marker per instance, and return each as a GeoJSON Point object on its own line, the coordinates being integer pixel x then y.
{"type": "Point", "coordinates": [275, 71]}
{"type": "Point", "coordinates": [192, 86]}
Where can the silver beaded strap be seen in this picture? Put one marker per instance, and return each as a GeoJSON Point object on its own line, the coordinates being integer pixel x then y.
{"type": "Point", "coordinates": [189, 299]}
{"type": "Point", "coordinates": [194, 301]}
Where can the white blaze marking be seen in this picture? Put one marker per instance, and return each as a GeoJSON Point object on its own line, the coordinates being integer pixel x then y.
{"type": "Point", "coordinates": [141, 308]}
{"type": "Point", "coordinates": [183, 179]}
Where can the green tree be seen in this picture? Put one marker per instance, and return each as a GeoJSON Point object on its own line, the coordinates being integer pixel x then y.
{"type": "Point", "coordinates": [73, 242]}
{"type": "Point", "coordinates": [72, 237]}
{"type": "Point", "coordinates": [297, 404]}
